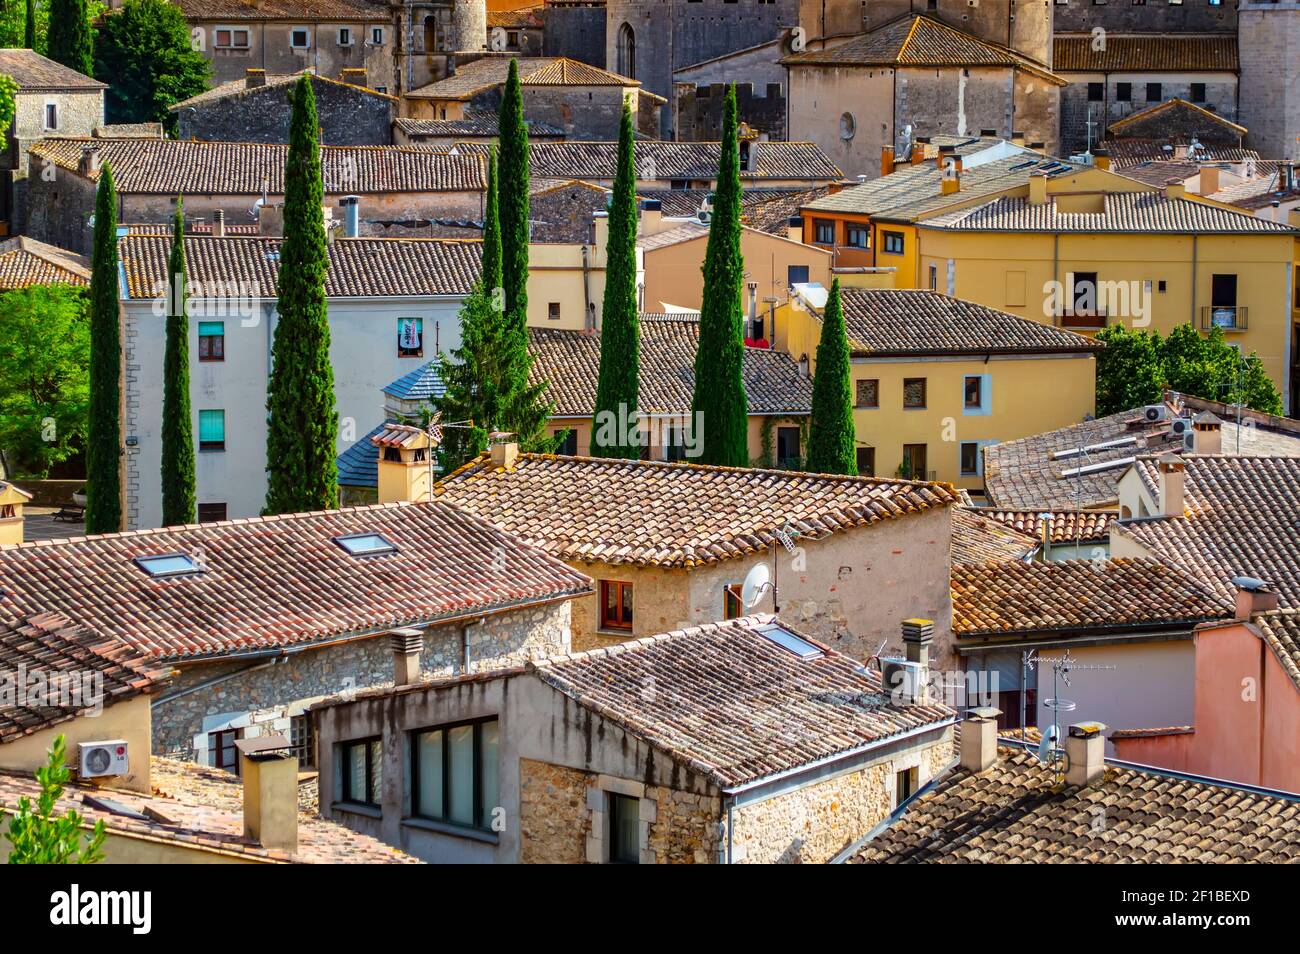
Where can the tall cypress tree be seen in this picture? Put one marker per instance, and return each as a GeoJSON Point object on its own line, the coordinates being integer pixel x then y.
{"type": "Point", "coordinates": [719, 406]}
{"type": "Point", "coordinates": [620, 333]}
{"type": "Point", "coordinates": [104, 440]}
{"type": "Point", "coordinates": [177, 428]}
{"type": "Point", "coordinates": [513, 188]}
{"type": "Point", "coordinates": [69, 40]}
{"type": "Point", "coordinates": [303, 425]}
{"type": "Point", "coordinates": [831, 448]}
{"type": "Point", "coordinates": [29, 32]}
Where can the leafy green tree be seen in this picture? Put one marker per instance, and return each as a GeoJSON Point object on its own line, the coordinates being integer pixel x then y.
{"type": "Point", "coordinates": [70, 40]}
{"type": "Point", "coordinates": [143, 52]}
{"type": "Point", "coordinates": [303, 426]}
{"type": "Point", "coordinates": [832, 444]}
{"type": "Point", "coordinates": [103, 439]}
{"type": "Point", "coordinates": [1129, 369]}
{"type": "Point", "coordinates": [178, 492]}
{"type": "Point", "coordinates": [620, 333]}
{"type": "Point", "coordinates": [23, 23]}
{"type": "Point", "coordinates": [8, 102]}
{"type": "Point", "coordinates": [719, 405]}
{"type": "Point", "coordinates": [44, 381]}
{"type": "Point", "coordinates": [513, 189]}
{"type": "Point", "coordinates": [37, 837]}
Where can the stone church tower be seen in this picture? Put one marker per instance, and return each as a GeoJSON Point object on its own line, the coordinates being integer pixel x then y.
{"type": "Point", "coordinates": [1268, 43]}
{"type": "Point", "coordinates": [431, 33]}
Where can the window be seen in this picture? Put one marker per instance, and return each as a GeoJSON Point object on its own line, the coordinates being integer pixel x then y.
{"type": "Point", "coordinates": [625, 51]}
{"type": "Point", "coordinates": [553, 311]}
{"type": "Point", "coordinates": [1124, 92]}
{"type": "Point", "coordinates": [894, 243]}
{"type": "Point", "coordinates": [615, 605]}
{"type": "Point", "coordinates": [345, 36]}
{"type": "Point", "coordinates": [377, 36]}
{"type": "Point", "coordinates": [675, 443]}
{"type": "Point", "coordinates": [1161, 286]}
{"type": "Point", "coordinates": [972, 390]}
{"type": "Point", "coordinates": [366, 544]}
{"type": "Point", "coordinates": [222, 753]}
{"type": "Point", "coordinates": [230, 38]}
{"type": "Point", "coordinates": [454, 773]}
{"type": "Point", "coordinates": [904, 785]}
{"type": "Point", "coordinates": [569, 445]}
{"type": "Point", "coordinates": [866, 462]}
{"type": "Point", "coordinates": [976, 390]}
{"type": "Point", "coordinates": [732, 606]}
{"type": "Point", "coordinates": [624, 837]}
{"type": "Point", "coordinates": [362, 768]}
{"type": "Point", "coordinates": [934, 278]}
{"type": "Point", "coordinates": [51, 115]}
{"type": "Point", "coordinates": [1153, 92]}
{"type": "Point", "coordinates": [410, 337]}
{"type": "Point", "coordinates": [970, 458]}
{"type": "Point", "coordinates": [381, 89]}
{"type": "Point", "coordinates": [212, 512]}
{"type": "Point", "coordinates": [1084, 294]}
{"type": "Point", "coordinates": [788, 452]}
{"type": "Point", "coordinates": [212, 430]}
{"type": "Point", "coordinates": [1096, 91]}
{"type": "Point", "coordinates": [168, 564]}
{"type": "Point", "coordinates": [212, 341]}
{"type": "Point", "coordinates": [1198, 92]}
{"type": "Point", "coordinates": [1223, 291]}
{"type": "Point", "coordinates": [913, 392]}
{"type": "Point", "coordinates": [868, 392]}
{"type": "Point", "coordinates": [914, 462]}
{"type": "Point", "coordinates": [796, 274]}
{"type": "Point", "coordinates": [823, 232]}
{"type": "Point", "coordinates": [299, 39]}
{"type": "Point", "coordinates": [302, 740]}
{"type": "Point", "coordinates": [859, 236]}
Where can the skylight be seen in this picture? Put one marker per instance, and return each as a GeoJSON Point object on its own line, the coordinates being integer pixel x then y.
{"type": "Point", "coordinates": [168, 564]}
{"type": "Point", "coordinates": [1104, 445]}
{"type": "Point", "coordinates": [790, 642]}
{"type": "Point", "coordinates": [1099, 467]}
{"type": "Point", "coordinates": [366, 544]}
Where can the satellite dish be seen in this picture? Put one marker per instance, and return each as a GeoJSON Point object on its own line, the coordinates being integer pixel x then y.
{"type": "Point", "coordinates": [1050, 736]}
{"type": "Point", "coordinates": [756, 583]}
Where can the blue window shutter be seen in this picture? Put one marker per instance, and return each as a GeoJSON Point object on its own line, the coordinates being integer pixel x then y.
{"type": "Point", "coordinates": [212, 427]}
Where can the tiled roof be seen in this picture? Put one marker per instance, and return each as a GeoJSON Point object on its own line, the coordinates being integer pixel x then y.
{"type": "Point", "coordinates": [1135, 212]}
{"type": "Point", "coordinates": [906, 322]}
{"type": "Point", "coordinates": [25, 262]}
{"type": "Point", "coordinates": [1258, 193]}
{"type": "Point", "coordinates": [359, 464]}
{"type": "Point", "coordinates": [60, 649]}
{"type": "Point", "coordinates": [474, 125]}
{"type": "Point", "coordinates": [765, 209]}
{"type": "Point", "coordinates": [1069, 596]}
{"type": "Point", "coordinates": [296, 11]}
{"type": "Point", "coordinates": [521, 17]}
{"type": "Point", "coordinates": [1281, 631]}
{"type": "Point", "coordinates": [357, 267]}
{"type": "Point", "coordinates": [1191, 111]}
{"type": "Point", "coordinates": [660, 514]}
{"type": "Point", "coordinates": [1066, 526]}
{"type": "Point", "coordinates": [423, 383]}
{"type": "Point", "coordinates": [490, 72]}
{"type": "Point", "coordinates": [201, 808]}
{"type": "Point", "coordinates": [731, 704]}
{"type": "Point", "coordinates": [1145, 53]}
{"type": "Point", "coordinates": [1128, 152]}
{"type": "Point", "coordinates": [171, 167]}
{"type": "Point", "coordinates": [978, 539]}
{"type": "Point", "coordinates": [1159, 172]}
{"type": "Point", "coordinates": [658, 160]}
{"type": "Point", "coordinates": [1015, 813]}
{"type": "Point", "coordinates": [240, 87]}
{"type": "Point", "coordinates": [569, 363]}
{"type": "Point", "coordinates": [281, 581]}
{"type": "Point", "coordinates": [1242, 518]}
{"type": "Point", "coordinates": [39, 74]}
{"type": "Point", "coordinates": [917, 41]}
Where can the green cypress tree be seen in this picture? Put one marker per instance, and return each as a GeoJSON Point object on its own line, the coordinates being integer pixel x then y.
{"type": "Point", "coordinates": [70, 41]}
{"type": "Point", "coordinates": [513, 189]}
{"type": "Point", "coordinates": [620, 333]}
{"type": "Point", "coordinates": [177, 427]}
{"type": "Point", "coordinates": [719, 405]}
{"type": "Point", "coordinates": [303, 424]}
{"type": "Point", "coordinates": [831, 447]}
{"type": "Point", "coordinates": [104, 440]}
{"type": "Point", "coordinates": [29, 31]}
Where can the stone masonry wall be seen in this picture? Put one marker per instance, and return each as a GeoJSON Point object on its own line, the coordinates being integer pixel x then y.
{"type": "Point", "coordinates": [348, 116]}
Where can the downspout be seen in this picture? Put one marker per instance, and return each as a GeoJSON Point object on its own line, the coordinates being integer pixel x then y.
{"type": "Point", "coordinates": [1195, 246]}
{"type": "Point", "coordinates": [588, 315]}
{"type": "Point", "coordinates": [1262, 705]}
{"type": "Point", "coordinates": [1056, 276]}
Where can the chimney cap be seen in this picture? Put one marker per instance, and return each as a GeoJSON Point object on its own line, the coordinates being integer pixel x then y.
{"type": "Point", "coordinates": [652, 205]}
{"type": "Point", "coordinates": [349, 200]}
{"type": "Point", "coordinates": [983, 714]}
{"type": "Point", "coordinates": [264, 747]}
{"type": "Point", "coordinates": [1205, 421]}
{"type": "Point", "coordinates": [1170, 462]}
{"type": "Point", "coordinates": [501, 437]}
{"type": "Point", "coordinates": [1086, 730]}
{"type": "Point", "coordinates": [918, 630]}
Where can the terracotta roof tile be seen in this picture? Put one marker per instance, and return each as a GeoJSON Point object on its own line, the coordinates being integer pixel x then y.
{"type": "Point", "coordinates": [1147, 53]}
{"type": "Point", "coordinates": [25, 262]}
{"type": "Point", "coordinates": [1281, 630]}
{"type": "Point", "coordinates": [1190, 112]}
{"type": "Point", "coordinates": [484, 125]}
{"type": "Point", "coordinates": [39, 74]}
{"type": "Point", "coordinates": [239, 87]}
{"type": "Point", "coordinates": [489, 72]}
{"type": "Point", "coordinates": [978, 539]}
{"type": "Point", "coordinates": [1066, 526]}
{"type": "Point", "coordinates": [1129, 152]}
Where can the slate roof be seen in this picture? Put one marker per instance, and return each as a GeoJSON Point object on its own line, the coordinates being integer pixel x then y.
{"type": "Point", "coordinates": [239, 87]}
{"type": "Point", "coordinates": [39, 74]}
{"type": "Point", "coordinates": [280, 582]}
{"type": "Point", "coordinates": [731, 704]}
{"type": "Point", "coordinates": [1242, 518]}
{"type": "Point", "coordinates": [25, 262]}
{"type": "Point", "coordinates": [171, 167]}
{"type": "Point", "coordinates": [1066, 526]}
{"type": "Point", "coordinates": [201, 809]}
{"type": "Point", "coordinates": [652, 513]}
{"type": "Point", "coordinates": [1074, 596]}
{"type": "Point", "coordinates": [423, 383]}
{"type": "Point", "coordinates": [60, 649]}
{"type": "Point", "coordinates": [489, 72]}
{"type": "Point", "coordinates": [485, 125]}
{"type": "Point", "coordinates": [359, 464]}
{"type": "Point", "coordinates": [976, 538]}
{"type": "Point", "coordinates": [296, 11]}
{"type": "Point", "coordinates": [1146, 53]}
{"type": "Point", "coordinates": [569, 363]}
{"type": "Point", "coordinates": [1014, 813]}
{"type": "Point", "coordinates": [357, 267]}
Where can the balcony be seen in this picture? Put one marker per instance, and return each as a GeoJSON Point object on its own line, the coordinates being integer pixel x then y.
{"type": "Point", "coordinates": [1091, 319]}
{"type": "Point", "coordinates": [1227, 317]}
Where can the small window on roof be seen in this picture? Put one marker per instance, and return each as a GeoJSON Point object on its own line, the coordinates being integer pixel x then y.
{"type": "Point", "coordinates": [366, 544]}
{"type": "Point", "coordinates": [789, 641]}
{"type": "Point", "coordinates": [168, 564]}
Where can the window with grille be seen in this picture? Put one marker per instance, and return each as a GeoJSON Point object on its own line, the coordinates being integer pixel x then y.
{"type": "Point", "coordinates": [302, 740]}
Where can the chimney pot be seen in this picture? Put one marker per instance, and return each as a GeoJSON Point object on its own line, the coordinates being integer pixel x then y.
{"type": "Point", "coordinates": [90, 161]}
{"type": "Point", "coordinates": [254, 78]}
{"type": "Point", "coordinates": [886, 160]}
{"type": "Point", "coordinates": [1085, 748]}
{"type": "Point", "coordinates": [270, 779]}
{"type": "Point", "coordinates": [979, 739]}
{"type": "Point", "coordinates": [1171, 469]}
{"type": "Point", "coordinates": [504, 448]}
{"type": "Point", "coordinates": [406, 645]}
{"type": "Point", "coordinates": [219, 223]}
{"type": "Point", "coordinates": [351, 205]}
{"type": "Point", "coordinates": [917, 636]}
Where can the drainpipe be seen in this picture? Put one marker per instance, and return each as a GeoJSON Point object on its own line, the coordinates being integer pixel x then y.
{"type": "Point", "coordinates": [1194, 253]}
{"type": "Point", "coordinates": [587, 313]}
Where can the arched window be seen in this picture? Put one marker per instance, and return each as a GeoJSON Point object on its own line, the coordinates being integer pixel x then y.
{"type": "Point", "coordinates": [627, 51]}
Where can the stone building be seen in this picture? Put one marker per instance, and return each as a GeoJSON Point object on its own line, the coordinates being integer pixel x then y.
{"type": "Point", "coordinates": [660, 751]}
{"type": "Point", "coordinates": [576, 29]}
{"type": "Point", "coordinates": [432, 34]}
{"type": "Point", "coordinates": [1269, 37]}
{"type": "Point", "coordinates": [521, 31]}
{"type": "Point", "coordinates": [255, 109]}
{"type": "Point", "coordinates": [1158, 19]}
{"type": "Point", "coordinates": [700, 90]}
{"type": "Point", "coordinates": [261, 617]}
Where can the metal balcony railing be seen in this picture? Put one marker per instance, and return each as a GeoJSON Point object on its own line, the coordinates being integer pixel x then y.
{"type": "Point", "coordinates": [1091, 319]}
{"type": "Point", "coordinates": [1227, 317]}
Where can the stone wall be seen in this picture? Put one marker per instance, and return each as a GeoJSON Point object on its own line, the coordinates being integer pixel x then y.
{"type": "Point", "coordinates": [270, 49]}
{"type": "Point", "coordinates": [1157, 16]}
{"type": "Point", "coordinates": [576, 30]}
{"type": "Point", "coordinates": [699, 109]}
{"type": "Point", "coordinates": [1076, 109]}
{"type": "Point", "coordinates": [77, 115]}
{"type": "Point", "coordinates": [1269, 41]}
{"type": "Point", "coordinates": [348, 116]}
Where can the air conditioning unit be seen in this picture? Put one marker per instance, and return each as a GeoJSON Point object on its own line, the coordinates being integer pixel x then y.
{"type": "Point", "coordinates": [98, 759]}
{"type": "Point", "coordinates": [1155, 413]}
{"type": "Point", "coordinates": [901, 679]}
{"type": "Point", "coordinates": [1189, 442]}
{"type": "Point", "coordinates": [1180, 426]}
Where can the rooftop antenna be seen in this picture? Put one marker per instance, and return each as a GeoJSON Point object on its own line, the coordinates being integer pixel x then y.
{"type": "Point", "coordinates": [1049, 749]}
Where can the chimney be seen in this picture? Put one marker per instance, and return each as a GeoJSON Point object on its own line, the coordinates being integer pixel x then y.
{"type": "Point", "coordinates": [254, 78]}
{"type": "Point", "coordinates": [406, 645]}
{"type": "Point", "coordinates": [504, 448]}
{"type": "Point", "coordinates": [353, 76]}
{"type": "Point", "coordinates": [1209, 180]}
{"type": "Point", "coordinates": [943, 155]}
{"type": "Point", "coordinates": [270, 776]}
{"type": "Point", "coordinates": [1180, 150]}
{"type": "Point", "coordinates": [979, 739]}
{"type": "Point", "coordinates": [1085, 750]}
{"type": "Point", "coordinates": [1207, 434]}
{"type": "Point", "coordinates": [1038, 189]}
{"type": "Point", "coordinates": [1293, 218]}
{"type": "Point", "coordinates": [794, 228]}
{"type": "Point", "coordinates": [1101, 158]}
{"type": "Point", "coordinates": [886, 160]}
{"type": "Point", "coordinates": [219, 223]}
{"type": "Point", "coordinates": [1171, 485]}
{"type": "Point", "coordinates": [951, 181]}
{"type": "Point", "coordinates": [918, 149]}
{"type": "Point", "coordinates": [1253, 596]}
{"type": "Point", "coordinates": [1039, 147]}
{"type": "Point", "coordinates": [917, 635]}
{"type": "Point", "coordinates": [1175, 189]}
{"type": "Point", "coordinates": [652, 216]}
{"type": "Point", "coordinates": [1017, 137]}
{"type": "Point", "coordinates": [907, 681]}
{"type": "Point", "coordinates": [351, 205]}
{"type": "Point", "coordinates": [90, 161]}
{"type": "Point", "coordinates": [753, 308]}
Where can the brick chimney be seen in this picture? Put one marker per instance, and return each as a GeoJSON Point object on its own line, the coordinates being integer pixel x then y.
{"type": "Point", "coordinates": [504, 448]}
{"type": "Point", "coordinates": [1207, 434]}
{"type": "Point", "coordinates": [1038, 189]}
{"type": "Point", "coordinates": [406, 645]}
{"type": "Point", "coordinates": [979, 739]}
{"type": "Point", "coordinates": [1085, 748]}
{"type": "Point", "coordinates": [943, 155]}
{"type": "Point", "coordinates": [253, 78]}
{"type": "Point", "coordinates": [918, 149]}
{"type": "Point", "coordinates": [1171, 468]}
{"type": "Point", "coordinates": [886, 160]}
{"type": "Point", "coordinates": [1253, 596]}
{"type": "Point", "coordinates": [270, 776]}
{"type": "Point", "coordinates": [218, 223]}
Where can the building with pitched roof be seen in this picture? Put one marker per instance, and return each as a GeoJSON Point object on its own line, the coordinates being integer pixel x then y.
{"type": "Point", "coordinates": [25, 262]}
{"type": "Point", "coordinates": [711, 744]}
{"type": "Point", "coordinates": [474, 126]}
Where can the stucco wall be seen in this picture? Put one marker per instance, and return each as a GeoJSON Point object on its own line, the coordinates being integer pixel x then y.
{"type": "Point", "coordinates": [127, 720]}
{"type": "Point", "coordinates": [270, 49]}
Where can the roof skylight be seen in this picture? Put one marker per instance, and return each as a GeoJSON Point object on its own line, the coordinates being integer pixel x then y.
{"type": "Point", "coordinates": [790, 642]}
{"type": "Point", "coordinates": [168, 564]}
{"type": "Point", "coordinates": [366, 544]}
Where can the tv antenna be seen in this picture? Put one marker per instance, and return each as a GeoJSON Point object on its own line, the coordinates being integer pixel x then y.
{"type": "Point", "coordinates": [1050, 750]}
{"type": "Point", "coordinates": [760, 579]}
